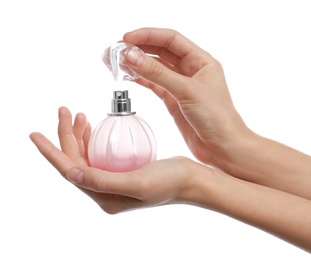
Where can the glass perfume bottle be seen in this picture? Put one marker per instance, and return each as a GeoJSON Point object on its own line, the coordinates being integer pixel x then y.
{"type": "Point", "coordinates": [122, 141]}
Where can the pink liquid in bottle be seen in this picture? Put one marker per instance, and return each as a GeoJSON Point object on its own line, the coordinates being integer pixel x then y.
{"type": "Point", "coordinates": [122, 141]}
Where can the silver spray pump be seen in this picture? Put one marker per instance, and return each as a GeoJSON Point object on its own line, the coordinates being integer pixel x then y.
{"type": "Point", "coordinates": [121, 104]}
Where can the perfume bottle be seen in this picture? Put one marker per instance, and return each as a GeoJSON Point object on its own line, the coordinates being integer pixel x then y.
{"type": "Point", "coordinates": [114, 59]}
{"type": "Point", "coordinates": [122, 141]}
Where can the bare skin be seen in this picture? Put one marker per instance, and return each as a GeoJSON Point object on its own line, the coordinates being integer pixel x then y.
{"type": "Point", "coordinates": [252, 179]}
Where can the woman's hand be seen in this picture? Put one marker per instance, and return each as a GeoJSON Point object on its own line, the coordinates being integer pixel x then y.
{"type": "Point", "coordinates": [162, 182]}
{"type": "Point", "coordinates": [193, 87]}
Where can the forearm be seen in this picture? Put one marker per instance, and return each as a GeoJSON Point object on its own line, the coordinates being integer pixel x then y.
{"type": "Point", "coordinates": [281, 214]}
{"type": "Point", "coordinates": [266, 162]}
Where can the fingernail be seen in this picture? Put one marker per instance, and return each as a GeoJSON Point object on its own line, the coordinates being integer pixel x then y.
{"type": "Point", "coordinates": [75, 175]}
{"type": "Point", "coordinates": [135, 58]}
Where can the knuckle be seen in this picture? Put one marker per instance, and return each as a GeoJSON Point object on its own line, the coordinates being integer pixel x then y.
{"type": "Point", "coordinates": [216, 66]}
{"type": "Point", "coordinates": [154, 70]}
{"type": "Point", "coordinates": [98, 183]}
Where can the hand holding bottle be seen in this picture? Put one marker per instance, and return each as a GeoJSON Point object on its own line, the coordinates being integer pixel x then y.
{"type": "Point", "coordinates": [175, 180]}
{"type": "Point", "coordinates": [161, 182]}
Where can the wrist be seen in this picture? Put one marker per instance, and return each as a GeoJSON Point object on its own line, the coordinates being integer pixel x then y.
{"type": "Point", "coordinates": [201, 185]}
{"type": "Point", "coordinates": [233, 150]}
{"type": "Point", "coordinates": [232, 137]}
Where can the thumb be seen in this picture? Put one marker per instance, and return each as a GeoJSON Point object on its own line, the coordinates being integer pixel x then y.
{"type": "Point", "coordinates": [103, 182]}
{"type": "Point", "coordinates": [154, 71]}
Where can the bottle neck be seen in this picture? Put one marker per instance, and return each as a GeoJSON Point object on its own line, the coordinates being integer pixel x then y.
{"type": "Point", "coordinates": [121, 104]}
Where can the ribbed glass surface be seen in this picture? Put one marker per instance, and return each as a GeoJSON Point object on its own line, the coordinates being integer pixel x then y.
{"type": "Point", "coordinates": [122, 143]}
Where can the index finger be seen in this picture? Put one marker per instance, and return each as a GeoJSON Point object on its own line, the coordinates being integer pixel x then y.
{"type": "Point", "coordinates": [165, 38]}
{"type": "Point", "coordinates": [57, 158]}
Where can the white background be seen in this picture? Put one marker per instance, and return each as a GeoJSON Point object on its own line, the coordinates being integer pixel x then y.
{"type": "Point", "coordinates": [50, 55]}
